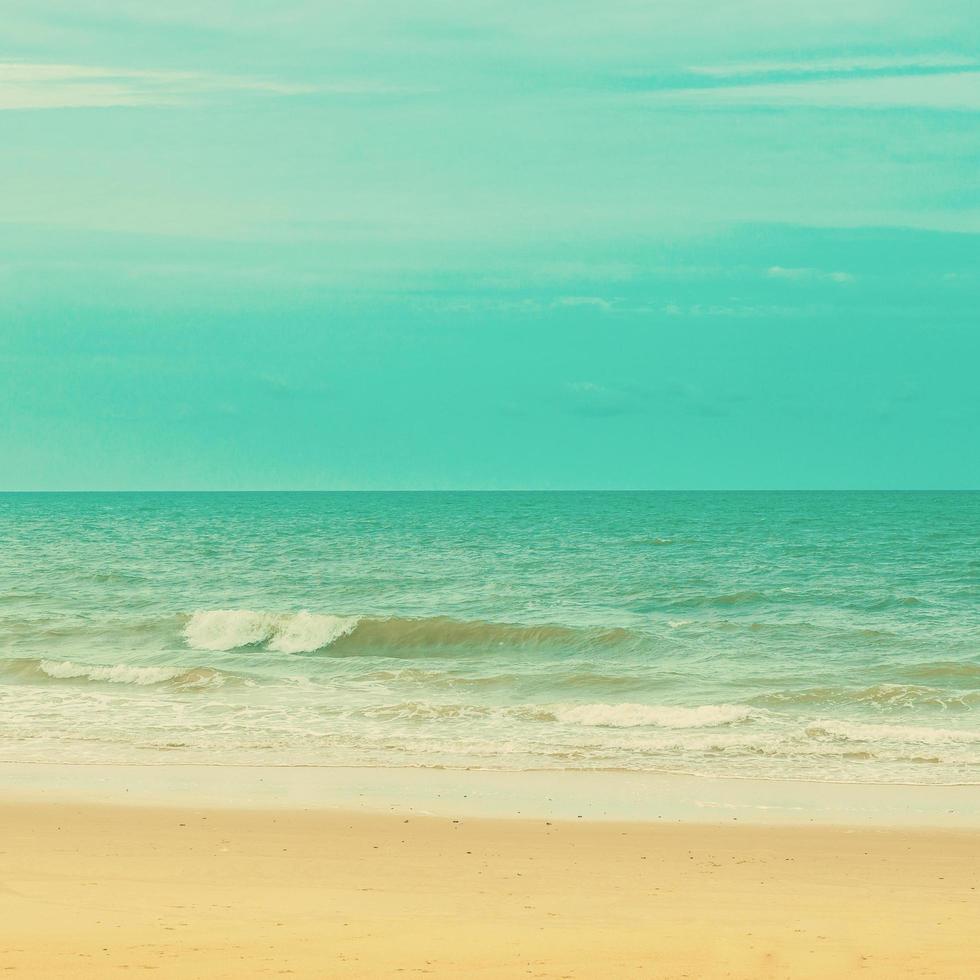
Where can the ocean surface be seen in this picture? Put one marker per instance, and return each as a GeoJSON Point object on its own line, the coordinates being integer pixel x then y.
{"type": "Point", "coordinates": [829, 636]}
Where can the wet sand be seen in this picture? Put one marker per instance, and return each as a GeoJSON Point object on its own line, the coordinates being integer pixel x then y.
{"type": "Point", "coordinates": [100, 891]}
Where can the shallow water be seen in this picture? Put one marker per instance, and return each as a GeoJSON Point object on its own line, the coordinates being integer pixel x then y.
{"type": "Point", "coordinates": [816, 635]}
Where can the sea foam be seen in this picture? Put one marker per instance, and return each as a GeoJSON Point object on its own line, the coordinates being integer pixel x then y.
{"type": "Point", "coordinates": [230, 629]}
{"type": "Point", "coordinates": [856, 731]}
{"type": "Point", "coordinates": [640, 715]}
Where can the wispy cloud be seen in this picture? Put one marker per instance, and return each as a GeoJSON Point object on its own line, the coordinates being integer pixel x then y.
{"type": "Point", "coordinates": [804, 274]}
{"type": "Point", "coordinates": [596, 302]}
{"type": "Point", "coordinates": [658, 395]}
{"type": "Point", "coordinates": [940, 90]}
{"type": "Point", "coordinates": [942, 81]}
{"type": "Point", "coordinates": [600, 401]}
{"type": "Point", "coordinates": [847, 65]}
{"type": "Point", "coordinates": [36, 85]}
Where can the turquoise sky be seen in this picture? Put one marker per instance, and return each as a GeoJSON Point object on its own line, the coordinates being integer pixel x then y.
{"type": "Point", "coordinates": [380, 244]}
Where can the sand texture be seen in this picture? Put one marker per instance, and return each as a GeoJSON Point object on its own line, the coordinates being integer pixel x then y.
{"type": "Point", "coordinates": [90, 891]}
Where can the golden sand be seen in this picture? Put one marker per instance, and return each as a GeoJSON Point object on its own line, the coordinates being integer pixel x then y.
{"type": "Point", "coordinates": [89, 891]}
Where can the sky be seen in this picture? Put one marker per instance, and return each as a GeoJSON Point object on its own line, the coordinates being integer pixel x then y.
{"type": "Point", "coordinates": [379, 245]}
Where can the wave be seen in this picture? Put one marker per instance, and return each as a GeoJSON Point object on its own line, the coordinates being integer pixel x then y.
{"type": "Point", "coordinates": [588, 715]}
{"type": "Point", "coordinates": [884, 695]}
{"type": "Point", "coordinates": [117, 674]}
{"type": "Point", "coordinates": [746, 597]}
{"type": "Point", "coordinates": [230, 629]}
{"type": "Point", "coordinates": [941, 670]}
{"type": "Point", "coordinates": [306, 632]}
{"type": "Point", "coordinates": [440, 631]}
{"type": "Point", "coordinates": [141, 676]}
{"type": "Point", "coordinates": [642, 715]}
{"type": "Point", "coordinates": [891, 602]}
{"type": "Point", "coordinates": [552, 679]}
{"type": "Point", "coordinates": [426, 711]}
{"type": "Point", "coordinates": [857, 731]}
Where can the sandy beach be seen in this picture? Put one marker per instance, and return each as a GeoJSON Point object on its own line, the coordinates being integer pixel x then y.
{"type": "Point", "coordinates": [93, 891]}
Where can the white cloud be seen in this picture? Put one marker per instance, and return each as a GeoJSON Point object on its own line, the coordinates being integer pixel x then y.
{"type": "Point", "coordinates": [894, 64]}
{"type": "Point", "coordinates": [599, 401]}
{"type": "Point", "coordinates": [32, 85]}
{"type": "Point", "coordinates": [63, 95]}
{"type": "Point", "coordinates": [957, 90]}
{"type": "Point", "coordinates": [781, 272]}
{"type": "Point", "coordinates": [594, 301]}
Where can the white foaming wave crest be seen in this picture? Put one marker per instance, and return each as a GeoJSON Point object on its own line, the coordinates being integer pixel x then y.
{"type": "Point", "coordinates": [857, 731]}
{"type": "Point", "coordinates": [643, 715]}
{"type": "Point", "coordinates": [118, 674]}
{"type": "Point", "coordinates": [229, 629]}
{"type": "Point", "coordinates": [306, 632]}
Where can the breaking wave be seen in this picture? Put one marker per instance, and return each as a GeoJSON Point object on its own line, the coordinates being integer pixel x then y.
{"type": "Point", "coordinates": [306, 632]}
{"type": "Point", "coordinates": [230, 629]}
{"type": "Point", "coordinates": [141, 676]}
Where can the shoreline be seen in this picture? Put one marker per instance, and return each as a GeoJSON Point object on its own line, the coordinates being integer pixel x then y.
{"type": "Point", "coordinates": [591, 796]}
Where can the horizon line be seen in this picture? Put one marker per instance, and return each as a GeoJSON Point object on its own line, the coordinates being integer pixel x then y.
{"type": "Point", "coordinates": [311, 490]}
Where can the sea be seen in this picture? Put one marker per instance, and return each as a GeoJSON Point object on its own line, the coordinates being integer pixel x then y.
{"type": "Point", "coordinates": [775, 635]}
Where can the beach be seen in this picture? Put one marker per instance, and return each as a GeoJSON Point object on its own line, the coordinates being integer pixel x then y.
{"type": "Point", "coordinates": [485, 490]}
{"type": "Point", "coordinates": [489, 735]}
{"type": "Point", "coordinates": [242, 892]}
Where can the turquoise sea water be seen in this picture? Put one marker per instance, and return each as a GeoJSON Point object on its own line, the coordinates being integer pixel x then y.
{"type": "Point", "coordinates": [814, 635]}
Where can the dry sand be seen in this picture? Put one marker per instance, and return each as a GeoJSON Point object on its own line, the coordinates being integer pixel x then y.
{"type": "Point", "coordinates": [90, 891]}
